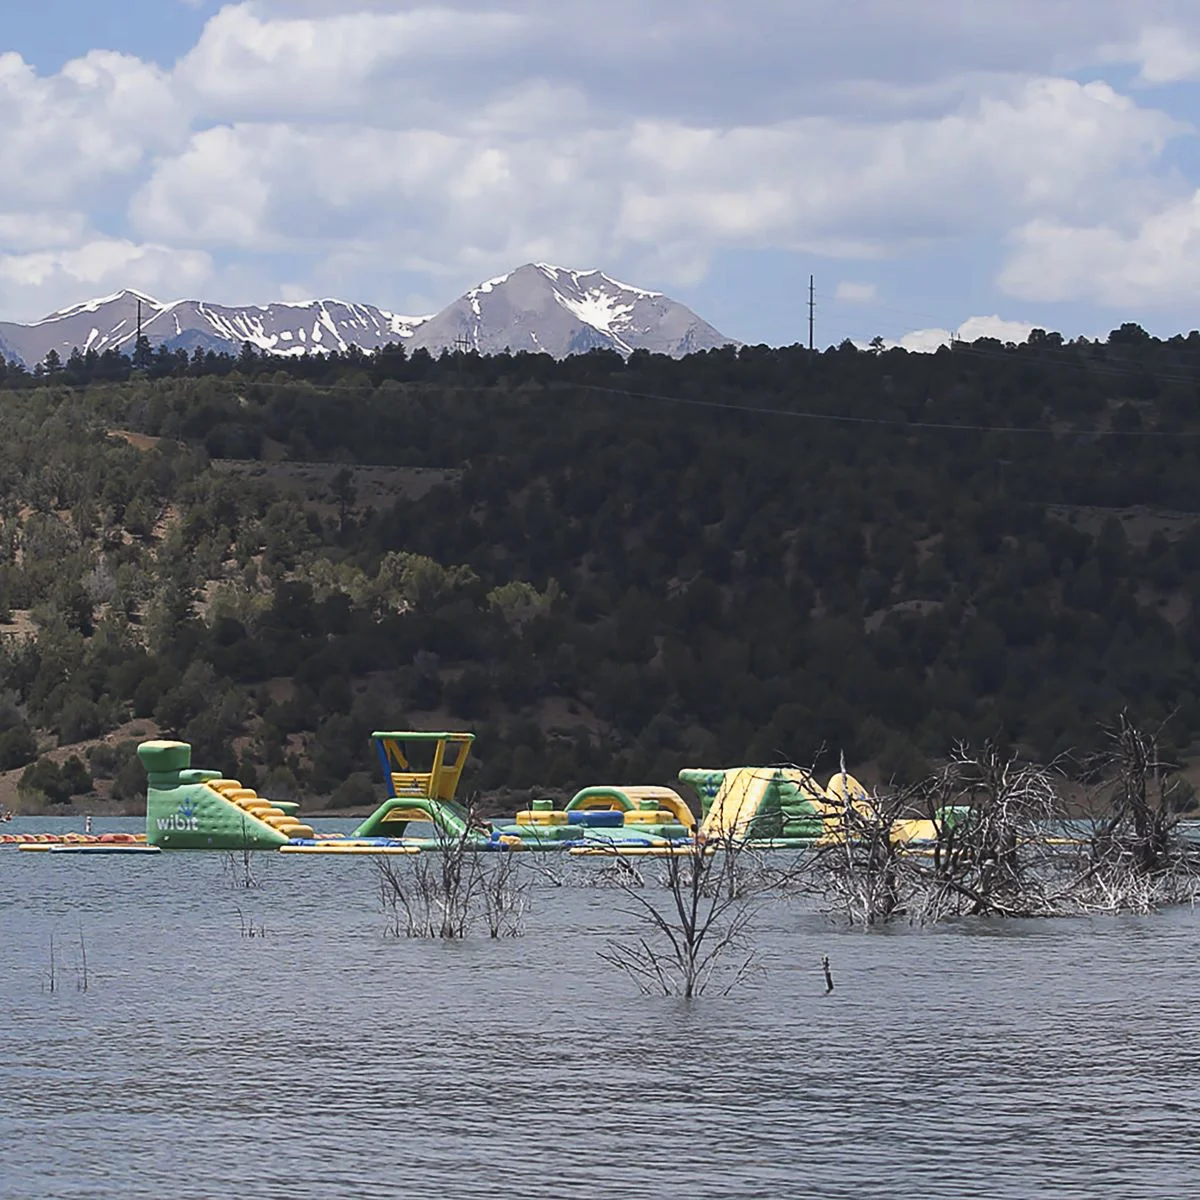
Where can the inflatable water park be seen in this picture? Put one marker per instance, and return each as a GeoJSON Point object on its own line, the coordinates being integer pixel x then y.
{"type": "Point", "coordinates": [190, 808]}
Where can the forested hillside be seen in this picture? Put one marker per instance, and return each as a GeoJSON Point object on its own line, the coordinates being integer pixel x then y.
{"type": "Point", "coordinates": [610, 569]}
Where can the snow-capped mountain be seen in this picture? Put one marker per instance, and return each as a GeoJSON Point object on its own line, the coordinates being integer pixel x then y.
{"type": "Point", "coordinates": [536, 308]}
{"type": "Point", "coordinates": [112, 321]}
{"type": "Point", "coordinates": [543, 308]}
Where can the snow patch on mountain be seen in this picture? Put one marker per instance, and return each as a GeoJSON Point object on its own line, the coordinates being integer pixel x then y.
{"type": "Point", "coordinates": [600, 310]}
{"type": "Point", "coordinates": [483, 289]}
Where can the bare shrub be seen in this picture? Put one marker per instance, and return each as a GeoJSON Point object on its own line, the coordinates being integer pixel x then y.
{"type": "Point", "coordinates": [1138, 858]}
{"type": "Point", "coordinates": [997, 840]}
{"type": "Point", "coordinates": [858, 866]}
{"type": "Point", "coordinates": [697, 934]}
{"type": "Point", "coordinates": [248, 928]}
{"type": "Point", "coordinates": [50, 983]}
{"type": "Point", "coordinates": [425, 896]}
{"type": "Point", "coordinates": [619, 873]}
{"type": "Point", "coordinates": [990, 814]}
{"type": "Point", "coordinates": [983, 850]}
{"type": "Point", "coordinates": [240, 868]}
{"type": "Point", "coordinates": [445, 892]}
{"type": "Point", "coordinates": [504, 890]}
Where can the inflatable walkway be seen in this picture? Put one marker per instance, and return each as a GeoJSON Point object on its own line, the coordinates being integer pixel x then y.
{"type": "Point", "coordinates": [425, 794]}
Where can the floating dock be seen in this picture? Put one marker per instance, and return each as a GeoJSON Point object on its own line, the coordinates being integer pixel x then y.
{"type": "Point", "coordinates": [349, 846]}
{"type": "Point", "coordinates": [88, 848]}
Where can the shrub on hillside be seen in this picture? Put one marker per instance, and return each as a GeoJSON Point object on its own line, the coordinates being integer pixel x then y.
{"type": "Point", "coordinates": [44, 780]}
{"type": "Point", "coordinates": [356, 791]}
{"type": "Point", "coordinates": [76, 777]}
{"type": "Point", "coordinates": [104, 760]}
{"type": "Point", "coordinates": [281, 784]}
{"type": "Point", "coordinates": [130, 780]}
{"type": "Point", "coordinates": [79, 720]}
{"type": "Point", "coordinates": [18, 746]}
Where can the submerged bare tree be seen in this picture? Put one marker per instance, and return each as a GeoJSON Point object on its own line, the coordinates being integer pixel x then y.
{"type": "Point", "coordinates": [51, 979]}
{"type": "Point", "coordinates": [990, 815]}
{"type": "Point", "coordinates": [1138, 858]}
{"type": "Point", "coordinates": [445, 892]}
{"type": "Point", "coordinates": [83, 975]}
{"type": "Point", "coordinates": [417, 900]}
{"type": "Point", "coordinates": [988, 835]}
{"type": "Point", "coordinates": [504, 888]}
{"type": "Point", "coordinates": [239, 867]}
{"type": "Point", "coordinates": [968, 840]}
{"type": "Point", "coordinates": [857, 866]}
{"type": "Point", "coordinates": [695, 935]}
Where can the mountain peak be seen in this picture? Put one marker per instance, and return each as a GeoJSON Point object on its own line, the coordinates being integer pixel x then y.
{"type": "Point", "coordinates": [91, 306]}
{"type": "Point", "coordinates": [593, 272]}
{"type": "Point", "coordinates": [543, 308]}
{"type": "Point", "coordinates": [538, 307]}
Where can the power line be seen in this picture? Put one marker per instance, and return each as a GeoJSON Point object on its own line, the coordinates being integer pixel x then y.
{"type": "Point", "coordinates": [890, 422]}
{"type": "Point", "coordinates": [761, 410]}
{"type": "Point", "coordinates": [751, 409]}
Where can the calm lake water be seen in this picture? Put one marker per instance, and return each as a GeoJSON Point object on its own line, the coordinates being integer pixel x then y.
{"type": "Point", "coordinates": [323, 1060]}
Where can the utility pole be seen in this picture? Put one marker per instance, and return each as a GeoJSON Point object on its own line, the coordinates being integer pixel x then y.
{"type": "Point", "coordinates": [811, 310]}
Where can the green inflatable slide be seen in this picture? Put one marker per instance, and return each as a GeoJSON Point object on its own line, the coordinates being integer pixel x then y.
{"type": "Point", "coordinates": [189, 809]}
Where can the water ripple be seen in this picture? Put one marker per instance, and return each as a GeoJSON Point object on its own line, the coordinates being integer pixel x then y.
{"type": "Point", "coordinates": [996, 1060]}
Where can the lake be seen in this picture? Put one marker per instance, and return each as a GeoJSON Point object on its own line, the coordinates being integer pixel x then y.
{"type": "Point", "coordinates": [323, 1059]}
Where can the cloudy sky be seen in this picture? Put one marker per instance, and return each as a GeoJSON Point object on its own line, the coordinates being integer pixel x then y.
{"type": "Point", "coordinates": [936, 164]}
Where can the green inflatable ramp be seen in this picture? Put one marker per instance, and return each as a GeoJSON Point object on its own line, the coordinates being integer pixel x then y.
{"type": "Point", "coordinates": [189, 809]}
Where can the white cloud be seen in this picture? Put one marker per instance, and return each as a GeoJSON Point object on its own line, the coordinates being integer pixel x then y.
{"type": "Point", "coordinates": [97, 119]}
{"type": "Point", "coordinates": [996, 327]}
{"type": "Point", "coordinates": [925, 341]}
{"type": "Point", "coordinates": [1155, 263]}
{"type": "Point", "coordinates": [248, 65]}
{"type": "Point", "coordinates": [874, 189]}
{"type": "Point", "coordinates": [664, 57]}
{"type": "Point", "coordinates": [337, 143]}
{"type": "Point", "coordinates": [41, 230]}
{"type": "Point", "coordinates": [722, 63]}
{"type": "Point", "coordinates": [660, 194]}
{"type": "Point", "coordinates": [849, 292]}
{"type": "Point", "coordinates": [429, 201]}
{"type": "Point", "coordinates": [44, 278]}
{"type": "Point", "coordinates": [1163, 53]}
{"type": "Point", "coordinates": [214, 191]}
